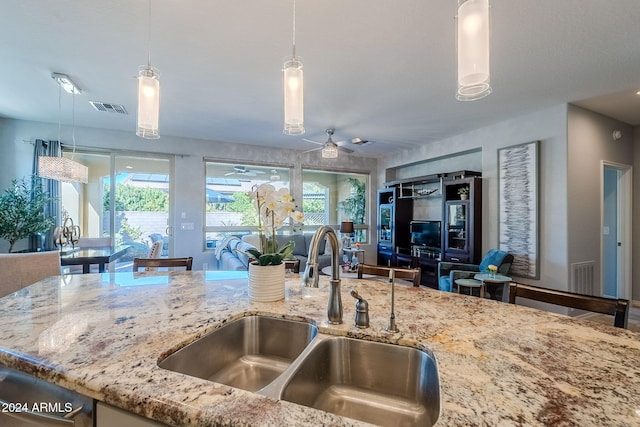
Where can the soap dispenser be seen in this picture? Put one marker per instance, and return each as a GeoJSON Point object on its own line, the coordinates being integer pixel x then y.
{"type": "Point", "coordinates": [362, 310]}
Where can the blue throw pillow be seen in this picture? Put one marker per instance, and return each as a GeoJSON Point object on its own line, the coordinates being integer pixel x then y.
{"type": "Point", "coordinates": [444, 283]}
{"type": "Point", "coordinates": [494, 256]}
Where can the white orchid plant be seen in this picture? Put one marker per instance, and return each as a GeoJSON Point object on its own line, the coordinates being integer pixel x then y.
{"type": "Point", "coordinates": [274, 207]}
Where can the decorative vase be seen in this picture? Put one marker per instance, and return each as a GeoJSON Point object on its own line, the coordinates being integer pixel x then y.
{"type": "Point", "coordinates": [266, 282]}
{"type": "Point", "coordinates": [464, 196]}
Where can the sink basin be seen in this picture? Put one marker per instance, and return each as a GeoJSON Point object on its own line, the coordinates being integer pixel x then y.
{"type": "Point", "coordinates": [247, 353]}
{"type": "Point", "coordinates": [379, 383]}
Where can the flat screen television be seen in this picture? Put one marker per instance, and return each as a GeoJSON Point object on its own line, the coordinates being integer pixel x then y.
{"type": "Point", "coordinates": [425, 233]}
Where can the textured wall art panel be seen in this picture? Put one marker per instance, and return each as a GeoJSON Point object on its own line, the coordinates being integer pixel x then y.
{"type": "Point", "coordinates": [518, 207]}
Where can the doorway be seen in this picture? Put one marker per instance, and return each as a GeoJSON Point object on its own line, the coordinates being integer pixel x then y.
{"type": "Point", "coordinates": [615, 257]}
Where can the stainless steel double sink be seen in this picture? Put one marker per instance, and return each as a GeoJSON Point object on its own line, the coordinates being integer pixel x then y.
{"type": "Point", "coordinates": [289, 360]}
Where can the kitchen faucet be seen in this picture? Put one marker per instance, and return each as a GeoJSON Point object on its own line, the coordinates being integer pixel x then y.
{"type": "Point", "coordinates": [310, 277]}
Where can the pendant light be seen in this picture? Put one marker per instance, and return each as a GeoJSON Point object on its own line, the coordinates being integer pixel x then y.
{"type": "Point", "coordinates": [293, 90]}
{"type": "Point", "coordinates": [148, 95]}
{"type": "Point", "coordinates": [61, 168]}
{"type": "Point", "coordinates": [473, 31]}
{"type": "Point", "coordinates": [330, 150]}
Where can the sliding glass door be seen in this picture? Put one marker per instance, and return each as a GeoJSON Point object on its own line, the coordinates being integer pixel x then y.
{"type": "Point", "coordinates": [127, 198]}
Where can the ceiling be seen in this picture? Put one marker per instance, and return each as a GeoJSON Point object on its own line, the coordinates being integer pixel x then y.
{"type": "Point", "coordinates": [380, 70]}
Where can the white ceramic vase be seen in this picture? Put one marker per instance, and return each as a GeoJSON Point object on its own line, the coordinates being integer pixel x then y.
{"type": "Point", "coordinates": [266, 282]}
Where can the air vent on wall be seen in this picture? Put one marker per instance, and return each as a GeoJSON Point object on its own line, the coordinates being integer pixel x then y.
{"type": "Point", "coordinates": [108, 108]}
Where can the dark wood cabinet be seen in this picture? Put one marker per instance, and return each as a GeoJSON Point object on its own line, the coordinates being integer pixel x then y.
{"type": "Point", "coordinates": [394, 215]}
{"type": "Point", "coordinates": [462, 220]}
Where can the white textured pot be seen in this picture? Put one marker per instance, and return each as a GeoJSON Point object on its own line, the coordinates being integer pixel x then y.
{"type": "Point", "coordinates": [266, 282]}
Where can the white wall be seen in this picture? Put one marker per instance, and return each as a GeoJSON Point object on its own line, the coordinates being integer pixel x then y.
{"type": "Point", "coordinates": [189, 169]}
{"type": "Point", "coordinates": [548, 126]}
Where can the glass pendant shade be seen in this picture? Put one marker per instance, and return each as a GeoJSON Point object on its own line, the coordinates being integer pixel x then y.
{"type": "Point", "coordinates": [148, 102]}
{"type": "Point", "coordinates": [62, 169]}
{"type": "Point", "coordinates": [293, 97]}
{"type": "Point", "coordinates": [330, 151]}
{"type": "Point", "coordinates": [473, 50]}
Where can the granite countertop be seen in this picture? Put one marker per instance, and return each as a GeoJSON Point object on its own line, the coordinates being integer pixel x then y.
{"type": "Point", "coordinates": [499, 364]}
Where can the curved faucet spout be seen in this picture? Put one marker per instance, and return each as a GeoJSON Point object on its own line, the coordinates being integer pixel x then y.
{"type": "Point", "coordinates": [310, 277]}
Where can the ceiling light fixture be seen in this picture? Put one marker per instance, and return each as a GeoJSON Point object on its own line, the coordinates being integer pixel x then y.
{"type": "Point", "coordinates": [66, 83]}
{"type": "Point", "coordinates": [148, 95]}
{"type": "Point", "coordinates": [330, 150]}
{"type": "Point", "coordinates": [293, 90]}
{"type": "Point", "coordinates": [473, 35]}
{"type": "Point", "coordinates": [61, 168]}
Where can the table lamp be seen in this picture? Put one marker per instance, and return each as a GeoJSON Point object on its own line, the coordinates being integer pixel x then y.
{"type": "Point", "coordinates": [346, 227]}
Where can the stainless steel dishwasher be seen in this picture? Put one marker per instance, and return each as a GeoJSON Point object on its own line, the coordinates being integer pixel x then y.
{"type": "Point", "coordinates": [28, 401]}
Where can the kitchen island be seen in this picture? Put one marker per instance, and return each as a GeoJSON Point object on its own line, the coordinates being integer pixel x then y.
{"type": "Point", "coordinates": [499, 364]}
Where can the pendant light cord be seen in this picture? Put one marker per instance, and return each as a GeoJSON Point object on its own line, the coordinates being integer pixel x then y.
{"type": "Point", "coordinates": [73, 124]}
{"type": "Point", "coordinates": [294, 29]}
{"type": "Point", "coordinates": [149, 36]}
{"type": "Point", "coordinates": [59, 114]}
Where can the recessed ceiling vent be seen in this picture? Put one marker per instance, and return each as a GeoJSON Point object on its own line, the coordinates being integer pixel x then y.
{"type": "Point", "coordinates": [108, 108]}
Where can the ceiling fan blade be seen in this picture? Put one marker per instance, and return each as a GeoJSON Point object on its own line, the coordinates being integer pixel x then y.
{"type": "Point", "coordinates": [313, 142]}
{"type": "Point", "coordinates": [313, 149]}
{"type": "Point", "coordinates": [346, 150]}
{"type": "Point", "coordinates": [229, 173]}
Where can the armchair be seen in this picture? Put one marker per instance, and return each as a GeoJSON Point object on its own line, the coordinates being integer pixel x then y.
{"type": "Point", "coordinates": [448, 272]}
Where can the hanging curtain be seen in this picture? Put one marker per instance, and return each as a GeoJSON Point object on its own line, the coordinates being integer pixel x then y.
{"type": "Point", "coordinates": [51, 186]}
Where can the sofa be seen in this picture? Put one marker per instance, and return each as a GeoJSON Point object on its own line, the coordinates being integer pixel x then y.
{"type": "Point", "coordinates": [231, 252]}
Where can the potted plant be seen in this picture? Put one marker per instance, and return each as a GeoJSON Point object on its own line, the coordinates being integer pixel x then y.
{"type": "Point", "coordinates": [463, 192]}
{"type": "Point", "coordinates": [22, 210]}
{"type": "Point", "coordinates": [266, 273]}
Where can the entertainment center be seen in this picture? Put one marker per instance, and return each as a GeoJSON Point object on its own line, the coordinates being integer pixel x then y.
{"type": "Point", "coordinates": [452, 231]}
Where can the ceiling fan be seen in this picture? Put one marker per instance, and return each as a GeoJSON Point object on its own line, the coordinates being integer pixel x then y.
{"type": "Point", "coordinates": [329, 148]}
{"type": "Point", "coordinates": [275, 176]}
{"type": "Point", "coordinates": [242, 170]}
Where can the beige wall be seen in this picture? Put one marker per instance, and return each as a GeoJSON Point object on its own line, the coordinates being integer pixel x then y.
{"type": "Point", "coordinates": [189, 169]}
{"type": "Point", "coordinates": [548, 126]}
{"type": "Point", "coordinates": [590, 143]}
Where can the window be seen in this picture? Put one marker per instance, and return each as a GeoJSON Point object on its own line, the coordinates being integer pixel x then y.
{"type": "Point", "coordinates": [228, 210]}
{"type": "Point", "coordinates": [330, 197]}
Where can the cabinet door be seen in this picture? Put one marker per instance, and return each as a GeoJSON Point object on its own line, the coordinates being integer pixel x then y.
{"type": "Point", "coordinates": [385, 222]}
{"type": "Point", "coordinates": [107, 416]}
{"type": "Point", "coordinates": [457, 226]}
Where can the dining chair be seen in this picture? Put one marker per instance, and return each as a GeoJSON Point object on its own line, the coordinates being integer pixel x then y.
{"type": "Point", "coordinates": [162, 262]}
{"type": "Point", "coordinates": [618, 308]}
{"type": "Point", "coordinates": [410, 274]}
{"type": "Point", "coordinates": [156, 249]}
{"type": "Point", "coordinates": [21, 270]}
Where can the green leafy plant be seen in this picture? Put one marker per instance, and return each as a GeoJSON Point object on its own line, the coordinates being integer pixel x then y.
{"type": "Point", "coordinates": [463, 190]}
{"type": "Point", "coordinates": [22, 210]}
{"type": "Point", "coordinates": [354, 206]}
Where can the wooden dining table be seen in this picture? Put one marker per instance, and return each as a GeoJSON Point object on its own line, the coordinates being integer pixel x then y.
{"type": "Point", "coordinates": [88, 256]}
